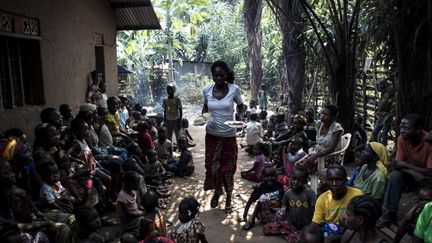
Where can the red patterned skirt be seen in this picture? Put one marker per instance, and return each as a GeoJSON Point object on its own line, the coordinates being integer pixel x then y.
{"type": "Point", "coordinates": [220, 159]}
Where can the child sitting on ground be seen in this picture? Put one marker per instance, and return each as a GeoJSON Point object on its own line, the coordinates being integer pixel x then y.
{"type": "Point", "coordinates": [153, 219]}
{"type": "Point", "coordinates": [156, 178]}
{"type": "Point", "coordinates": [17, 213]}
{"type": "Point", "coordinates": [254, 132]}
{"type": "Point", "coordinates": [293, 153]}
{"type": "Point", "coordinates": [130, 214]}
{"type": "Point", "coordinates": [132, 165]}
{"type": "Point", "coordinates": [185, 132]}
{"type": "Point", "coordinates": [311, 234]}
{"type": "Point", "coordinates": [263, 119]}
{"type": "Point", "coordinates": [145, 140]}
{"type": "Point", "coordinates": [163, 146]}
{"type": "Point", "coordinates": [254, 174]}
{"type": "Point", "coordinates": [407, 225]}
{"type": "Point", "coordinates": [184, 166]}
{"type": "Point", "coordinates": [89, 223]}
{"type": "Point", "coordinates": [299, 202]}
{"type": "Point", "coordinates": [188, 228]}
{"type": "Point", "coordinates": [53, 195]}
{"type": "Point", "coordinates": [268, 195]}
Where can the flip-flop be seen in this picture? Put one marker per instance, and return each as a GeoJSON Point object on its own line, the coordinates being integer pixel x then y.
{"type": "Point", "coordinates": [248, 225]}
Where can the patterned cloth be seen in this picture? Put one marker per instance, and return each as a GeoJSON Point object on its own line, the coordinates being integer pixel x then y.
{"type": "Point", "coordinates": [187, 232]}
{"type": "Point", "coordinates": [220, 163]}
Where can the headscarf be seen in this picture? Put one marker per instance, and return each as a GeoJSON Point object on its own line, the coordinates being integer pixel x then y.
{"type": "Point", "coordinates": [8, 147]}
{"type": "Point", "coordinates": [383, 156]}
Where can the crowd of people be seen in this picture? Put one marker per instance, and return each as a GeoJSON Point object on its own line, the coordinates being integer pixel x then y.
{"type": "Point", "coordinates": [107, 159]}
{"type": "Point", "coordinates": [112, 157]}
{"type": "Point", "coordinates": [289, 149]}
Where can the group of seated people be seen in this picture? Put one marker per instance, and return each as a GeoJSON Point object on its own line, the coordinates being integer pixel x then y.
{"type": "Point", "coordinates": [86, 166]}
{"type": "Point", "coordinates": [343, 208]}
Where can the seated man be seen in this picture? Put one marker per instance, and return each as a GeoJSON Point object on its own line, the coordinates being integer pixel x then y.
{"type": "Point", "coordinates": [413, 164]}
{"type": "Point", "coordinates": [332, 204]}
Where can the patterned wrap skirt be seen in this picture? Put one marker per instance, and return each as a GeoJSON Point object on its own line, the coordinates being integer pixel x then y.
{"type": "Point", "coordinates": [220, 160]}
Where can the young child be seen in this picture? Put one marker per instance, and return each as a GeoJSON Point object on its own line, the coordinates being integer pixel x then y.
{"type": "Point", "coordinates": [156, 178]}
{"type": "Point", "coordinates": [254, 174]}
{"type": "Point", "coordinates": [311, 234]}
{"type": "Point", "coordinates": [134, 120]}
{"type": "Point", "coordinates": [155, 173]}
{"type": "Point", "coordinates": [153, 219]}
{"type": "Point", "coordinates": [173, 112]}
{"type": "Point", "coordinates": [188, 228]}
{"type": "Point", "coordinates": [130, 214]}
{"type": "Point", "coordinates": [295, 153]}
{"type": "Point", "coordinates": [132, 165]}
{"type": "Point", "coordinates": [254, 132]}
{"type": "Point", "coordinates": [66, 113]}
{"type": "Point", "coordinates": [263, 119]}
{"type": "Point", "coordinates": [17, 212]}
{"type": "Point", "coordinates": [185, 132]}
{"type": "Point", "coordinates": [407, 225]}
{"type": "Point", "coordinates": [145, 140]}
{"type": "Point", "coordinates": [53, 194]}
{"type": "Point", "coordinates": [163, 146]}
{"type": "Point", "coordinates": [262, 97]}
{"type": "Point", "coordinates": [184, 166]}
{"type": "Point", "coordinates": [89, 223]}
{"type": "Point", "coordinates": [268, 195]}
{"type": "Point", "coordinates": [299, 202]}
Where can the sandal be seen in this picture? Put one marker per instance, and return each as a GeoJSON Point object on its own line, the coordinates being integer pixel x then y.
{"type": "Point", "coordinates": [248, 225]}
{"type": "Point", "coordinates": [214, 201]}
{"type": "Point", "coordinates": [385, 221]}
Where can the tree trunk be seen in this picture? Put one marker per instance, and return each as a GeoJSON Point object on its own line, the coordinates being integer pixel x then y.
{"type": "Point", "coordinates": [290, 18]}
{"type": "Point", "coordinates": [252, 25]}
{"type": "Point", "coordinates": [413, 40]}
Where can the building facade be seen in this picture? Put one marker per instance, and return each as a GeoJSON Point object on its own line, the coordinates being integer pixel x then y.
{"type": "Point", "coordinates": [48, 49]}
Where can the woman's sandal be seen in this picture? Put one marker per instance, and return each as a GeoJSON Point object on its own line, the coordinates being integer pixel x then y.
{"type": "Point", "coordinates": [248, 225]}
{"type": "Point", "coordinates": [214, 201]}
{"type": "Point", "coordinates": [385, 221]}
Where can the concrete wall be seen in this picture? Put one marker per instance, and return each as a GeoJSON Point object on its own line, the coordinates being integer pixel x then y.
{"type": "Point", "coordinates": [67, 53]}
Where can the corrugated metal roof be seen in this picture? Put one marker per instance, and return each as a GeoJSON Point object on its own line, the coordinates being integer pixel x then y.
{"type": "Point", "coordinates": [135, 14]}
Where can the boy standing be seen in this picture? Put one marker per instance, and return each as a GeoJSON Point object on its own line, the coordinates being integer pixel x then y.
{"type": "Point", "coordinates": [173, 112]}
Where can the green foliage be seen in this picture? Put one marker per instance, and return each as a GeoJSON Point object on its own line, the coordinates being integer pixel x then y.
{"type": "Point", "coordinates": [192, 86]}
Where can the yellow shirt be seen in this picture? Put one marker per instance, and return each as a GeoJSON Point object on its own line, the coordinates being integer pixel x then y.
{"type": "Point", "coordinates": [113, 123]}
{"type": "Point", "coordinates": [328, 210]}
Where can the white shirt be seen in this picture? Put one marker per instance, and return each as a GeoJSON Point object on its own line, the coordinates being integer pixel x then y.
{"type": "Point", "coordinates": [221, 110]}
{"type": "Point", "coordinates": [254, 132]}
{"type": "Point", "coordinates": [49, 194]}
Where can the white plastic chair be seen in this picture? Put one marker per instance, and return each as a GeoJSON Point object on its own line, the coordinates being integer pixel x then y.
{"type": "Point", "coordinates": [339, 158]}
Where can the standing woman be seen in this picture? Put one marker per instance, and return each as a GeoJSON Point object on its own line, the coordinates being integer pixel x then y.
{"type": "Point", "coordinates": [220, 141]}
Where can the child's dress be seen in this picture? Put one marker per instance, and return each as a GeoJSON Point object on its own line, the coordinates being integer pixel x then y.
{"type": "Point", "coordinates": [86, 155]}
{"type": "Point", "coordinates": [289, 161]}
{"type": "Point", "coordinates": [255, 175]}
{"type": "Point", "coordinates": [187, 232]}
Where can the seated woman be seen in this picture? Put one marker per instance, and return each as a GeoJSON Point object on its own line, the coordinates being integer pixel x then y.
{"type": "Point", "coordinates": [361, 217]}
{"type": "Point", "coordinates": [372, 177]}
{"type": "Point", "coordinates": [329, 133]}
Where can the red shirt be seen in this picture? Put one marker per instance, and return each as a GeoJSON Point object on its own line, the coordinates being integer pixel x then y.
{"type": "Point", "coordinates": [145, 141]}
{"type": "Point", "coordinates": [420, 156]}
